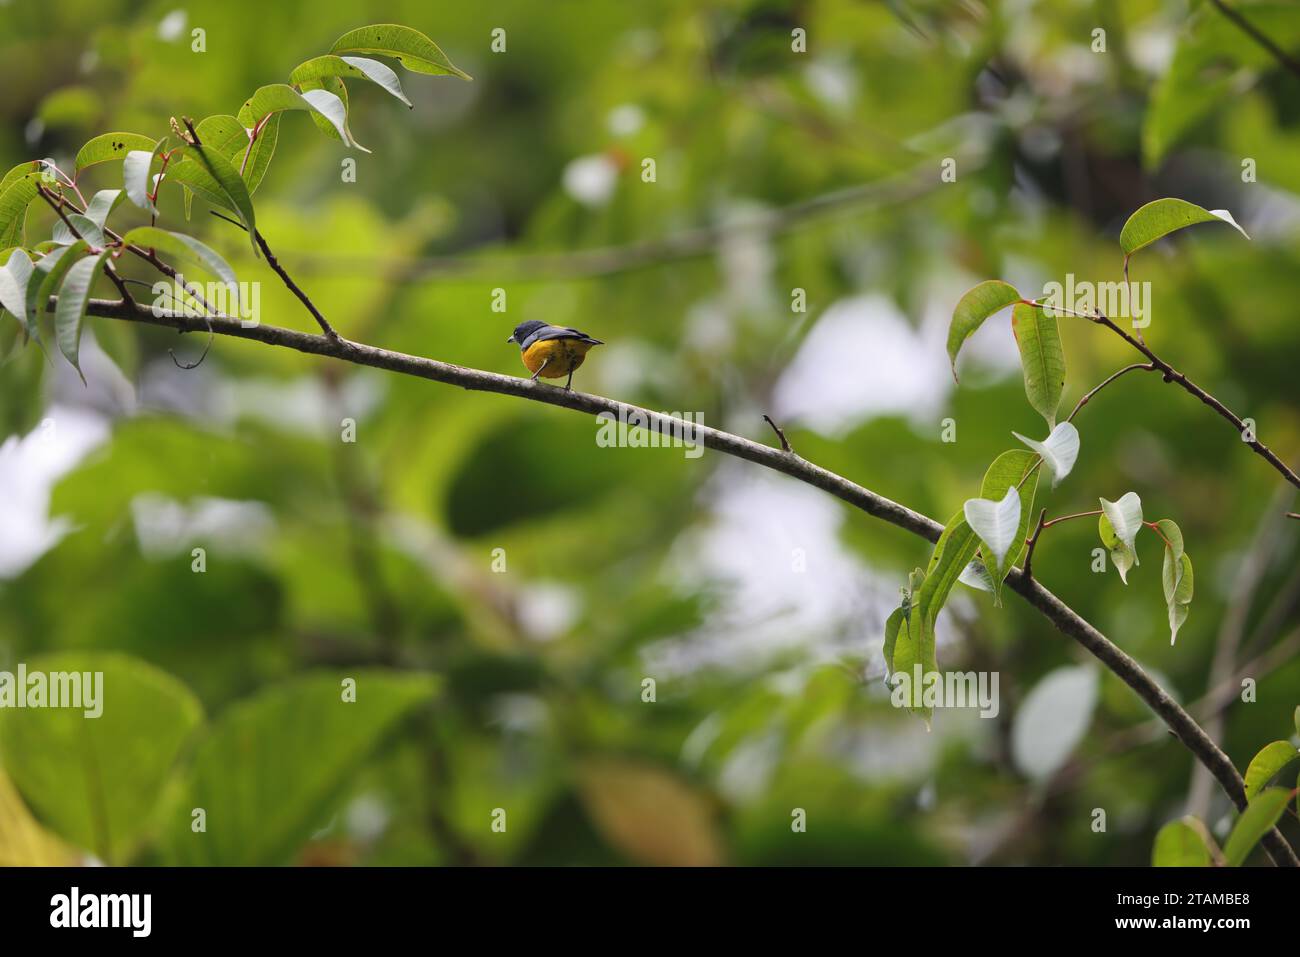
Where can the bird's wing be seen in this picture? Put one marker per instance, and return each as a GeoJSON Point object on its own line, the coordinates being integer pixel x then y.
{"type": "Point", "coordinates": [558, 332]}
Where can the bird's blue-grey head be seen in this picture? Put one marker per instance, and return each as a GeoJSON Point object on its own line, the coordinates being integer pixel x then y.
{"type": "Point", "coordinates": [524, 330]}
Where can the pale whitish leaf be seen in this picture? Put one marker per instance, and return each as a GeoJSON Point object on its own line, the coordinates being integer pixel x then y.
{"type": "Point", "coordinates": [102, 204]}
{"type": "Point", "coordinates": [46, 277]}
{"type": "Point", "coordinates": [188, 248]}
{"type": "Point", "coordinates": [136, 176]}
{"type": "Point", "coordinates": [1226, 216]}
{"type": "Point", "coordinates": [71, 308]}
{"type": "Point", "coordinates": [1058, 451]}
{"type": "Point", "coordinates": [1012, 469]}
{"type": "Point", "coordinates": [85, 228]}
{"type": "Point", "coordinates": [14, 277]}
{"type": "Point", "coordinates": [354, 66]}
{"type": "Point", "coordinates": [331, 107]}
{"type": "Point", "coordinates": [1053, 719]}
{"type": "Point", "coordinates": [976, 576]}
{"type": "Point", "coordinates": [1125, 517]}
{"type": "Point", "coordinates": [278, 97]}
{"type": "Point", "coordinates": [995, 522]}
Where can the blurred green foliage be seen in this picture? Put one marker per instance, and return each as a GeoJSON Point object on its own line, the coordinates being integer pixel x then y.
{"type": "Point", "coordinates": [497, 584]}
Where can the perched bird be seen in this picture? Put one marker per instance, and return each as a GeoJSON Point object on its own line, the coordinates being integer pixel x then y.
{"type": "Point", "coordinates": [551, 351]}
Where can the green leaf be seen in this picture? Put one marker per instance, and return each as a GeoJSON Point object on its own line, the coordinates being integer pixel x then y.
{"type": "Point", "coordinates": [972, 309]}
{"type": "Point", "coordinates": [190, 249]}
{"type": "Point", "coordinates": [1182, 843]}
{"type": "Point", "coordinates": [1172, 535]}
{"type": "Point", "coordinates": [1178, 581]}
{"type": "Point", "coordinates": [194, 177]}
{"type": "Point", "coordinates": [952, 553]}
{"type": "Point", "coordinates": [1121, 556]}
{"type": "Point", "coordinates": [1212, 58]}
{"type": "Point", "coordinates": [915, 645]}
{"type": "Point", "coordinates": [1271, 760]}
{"type": "Point", "coordinates": [137, 168]}
{"type": "Point", "coordinates": [1164, 216]}
{"type": "Point", "coordinates": [46, 277]}
{"type": "Point", "coordinates": [272, 766]}
{"type": "Point", "coordinates": [280, 96]}
{"type": "Point", "coordinates": [108, 147]}
{"type": "Point", "coordinates": [102, 204]}
{"type": "Point", "coordinates": [1260, 815]}
{"type": "Point", "coordinates": [97, 781]}
{"type": "Point", "coordinates": [260, 153]}
{"type": "Point", "coordinates": [1041, 357]}
{"type": "Point", "coordinates": [15, 199]}
{"type": "Point", "coordinates": [1176, 575]}
{"type": "Point", "coordinates": [228, 137]}
{"type": "Point", "coordinates": [409, 47]}
{"type": "Point", "coordinates": [71, 308]}
{"type": "Point", "coordinates": [897, 620]}
{"type": "Point", "coordinates": [19, 171]}
{"type": "Point", "coordinates": [1007, 471]}
{"type": "Point", "coordinates": [341, 66]}
{"type": "Point", "coordinates": [231, 186]}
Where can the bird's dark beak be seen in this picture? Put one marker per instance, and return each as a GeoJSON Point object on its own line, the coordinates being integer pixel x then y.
{"type": "Point", "coordinates": [511, 339]}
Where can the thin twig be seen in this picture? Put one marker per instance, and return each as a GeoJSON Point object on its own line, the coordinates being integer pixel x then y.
{"type": "Point", "coordinates": [785, 443]}
{"type": "Point", "coordinates": [119, 283]}
{"type": "Point", "coordinates": [1083, 400]}
{"type": "Point", "coordinates": [1173, 375]}
{"type": "Point", "coordinates": [1087, 396]}
{"type": "Point", "coordinates": [1061, 616]}
{"type": "Point", "coordinates": [285, 277]}
{"type": "Point", "coordinates": [1251, 31]}
{"type": "Point", "coordinates": [1032, 542]}
{"type": "Point", "coordinates": [55, 205]}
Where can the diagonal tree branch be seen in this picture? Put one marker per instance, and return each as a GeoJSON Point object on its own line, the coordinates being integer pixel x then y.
{"type": "Point", "coordinates": [1062, 617]}
{"type": "Point", "coordinates": [1170, 374]}
{"type": "Point", "coordinates": [1253, 32]}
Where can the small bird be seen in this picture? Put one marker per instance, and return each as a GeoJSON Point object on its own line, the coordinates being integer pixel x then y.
{"type": "Point", "coordinates": [551, 351]}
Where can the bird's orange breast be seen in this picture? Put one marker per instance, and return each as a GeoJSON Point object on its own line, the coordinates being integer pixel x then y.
{"type": "Point", "coordinates": [560, 356]}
